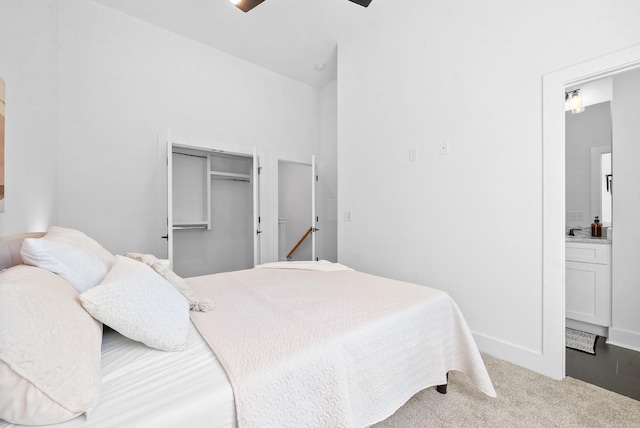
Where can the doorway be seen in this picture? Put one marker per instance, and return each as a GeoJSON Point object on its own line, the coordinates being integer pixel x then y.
{"type": "Point", "coordinates": [213, 209]}
{"type": "Point", "coordinates": [588, 137]}
{"type": "Point", "coordinates": [296, 208]}
{"type": "Point", "coordinates": [554, 212]}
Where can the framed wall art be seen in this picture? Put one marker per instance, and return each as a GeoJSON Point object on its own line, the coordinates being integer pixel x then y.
{"type": "Point", "coordinates": [2, 120]}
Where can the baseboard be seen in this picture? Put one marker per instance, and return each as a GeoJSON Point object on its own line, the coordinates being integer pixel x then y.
{"type": "Point", "coordinates": [624, 338]}
{"type": "Point", "coordinates": [585, 326]}
{"type": "Point", "coordinates": [528, 358]}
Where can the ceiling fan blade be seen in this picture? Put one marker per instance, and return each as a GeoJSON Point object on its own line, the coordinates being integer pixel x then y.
{"type": "Point", "coordinates": [364, 3]}
{"type": "Point", "coordinates": [247, 5]}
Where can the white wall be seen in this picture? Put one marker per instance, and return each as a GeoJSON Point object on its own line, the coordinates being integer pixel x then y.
{"type": "Point", "coordinates": [625, 330]}
{"type": "Point", "coordinates": [121, 82]}
{"type": "Point", "coordinates": [469, 222]}
{"type": "Point", "coordinates": [28, 64]}
{"type": "Point", "coordinates": [591, 128]}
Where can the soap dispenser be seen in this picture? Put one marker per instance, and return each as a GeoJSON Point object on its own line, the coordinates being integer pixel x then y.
{"type": "Point", "coordinates": [596, 228]}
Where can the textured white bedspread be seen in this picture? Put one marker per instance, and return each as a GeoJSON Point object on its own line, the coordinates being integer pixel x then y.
{"type": "Point", "coordinates": [146, 388]}
{"type": "Point", "coordinates": [331, 348]}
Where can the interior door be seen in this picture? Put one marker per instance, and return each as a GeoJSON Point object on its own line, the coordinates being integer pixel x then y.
{"type": "Point", "coordinates": [169, 235]}
{"type": "Point", "coordinates": [257, 226]}
{"type": "Point", "coordinates": [314, 217]}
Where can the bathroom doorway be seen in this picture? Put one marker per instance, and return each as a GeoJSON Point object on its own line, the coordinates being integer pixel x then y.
{"type": "Point", "coordinates": [588, 141]}
{"type": "Point", "coordinates": [554, 212]}
{"type": "Point", "coordinates": [601, 136]}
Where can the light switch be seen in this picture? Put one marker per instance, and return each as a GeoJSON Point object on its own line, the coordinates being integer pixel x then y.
{"type": "Point", "coordinates": [444, 148]}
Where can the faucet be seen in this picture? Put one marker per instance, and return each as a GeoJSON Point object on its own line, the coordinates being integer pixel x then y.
{"type": "Point", "coordinates": [572, 230]}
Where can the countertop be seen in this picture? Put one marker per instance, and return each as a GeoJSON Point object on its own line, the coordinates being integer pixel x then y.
{"type": "Point", "coordinates": [587, 239]}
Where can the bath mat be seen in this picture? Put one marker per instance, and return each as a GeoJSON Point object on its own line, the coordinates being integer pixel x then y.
{"type": "Point", "coordinates": [581, 341]}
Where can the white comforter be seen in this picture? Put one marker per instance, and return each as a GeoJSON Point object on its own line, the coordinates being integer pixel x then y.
{"type": "Point", "coordinates": [147, 388]}
{"type": "Point", "coordinates": [331, 347]}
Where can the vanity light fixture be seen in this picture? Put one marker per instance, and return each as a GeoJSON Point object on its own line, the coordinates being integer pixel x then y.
{"type": "Point", "coordinates": [575, 101]}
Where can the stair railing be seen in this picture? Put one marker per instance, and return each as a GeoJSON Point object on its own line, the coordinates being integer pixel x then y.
{"type": "Point", "coordinates": [295, 247]}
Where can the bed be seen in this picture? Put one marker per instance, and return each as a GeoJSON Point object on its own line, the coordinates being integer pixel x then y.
{"type": "Point", "coordinates": [283, 344]}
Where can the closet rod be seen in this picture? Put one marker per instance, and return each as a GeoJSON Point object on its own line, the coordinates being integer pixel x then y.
{"type": "Point", "coordinates": [188, 154]}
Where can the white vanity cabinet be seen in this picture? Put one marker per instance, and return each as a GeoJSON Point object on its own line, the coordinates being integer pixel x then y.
{"type": "Point", "coordinates": [588, 282]}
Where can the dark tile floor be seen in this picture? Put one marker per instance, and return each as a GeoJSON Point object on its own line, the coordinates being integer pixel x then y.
{"type": "Point", "coordinates": [613, 368]}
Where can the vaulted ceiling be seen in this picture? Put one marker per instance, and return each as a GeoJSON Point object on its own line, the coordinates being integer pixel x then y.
{"type": "Point", "coordinates": [294, 38]}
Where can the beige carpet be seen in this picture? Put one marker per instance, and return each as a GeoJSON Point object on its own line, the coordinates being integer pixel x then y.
{"type": "Point", "coordinates": [525, 399]}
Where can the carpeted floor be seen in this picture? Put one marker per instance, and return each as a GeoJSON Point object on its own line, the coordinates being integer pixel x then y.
{"type": "Point", "coordinates": [525, 399]}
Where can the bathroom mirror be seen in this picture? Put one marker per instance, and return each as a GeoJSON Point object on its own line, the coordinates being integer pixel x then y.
{"type": "Point", "coordinates": [601, 184]}
{"type": "Point", "coordinates": [588, 163]}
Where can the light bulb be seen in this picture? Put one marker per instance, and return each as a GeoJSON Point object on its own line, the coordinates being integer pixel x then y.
{"type": "Point", "coordinates": [575, 102]}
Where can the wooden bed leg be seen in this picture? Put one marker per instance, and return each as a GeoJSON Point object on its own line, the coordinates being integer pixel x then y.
{"type": "Point", "coordinates": [442, 389]}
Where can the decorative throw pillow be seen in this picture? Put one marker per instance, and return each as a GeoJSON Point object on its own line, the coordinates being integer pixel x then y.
{"type": "Point", "coordinates": [49, 349]}
{"type": "Point", "coordinates": [71, 254]}
{"type": "Point", "coordinates": [162, 268]}
{"type": "Point", "coordinates": [140, 304]}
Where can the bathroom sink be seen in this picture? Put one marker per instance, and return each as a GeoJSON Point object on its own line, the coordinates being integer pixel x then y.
{"type": "Point", "coordinates": [584, 235]}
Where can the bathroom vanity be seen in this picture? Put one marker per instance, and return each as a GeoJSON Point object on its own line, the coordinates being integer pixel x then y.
{"type": "Point", "coordinates": [588, 283]}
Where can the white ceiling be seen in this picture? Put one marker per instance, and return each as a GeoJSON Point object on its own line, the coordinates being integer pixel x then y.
{"type": "Point", "coordinates": [289, 37]}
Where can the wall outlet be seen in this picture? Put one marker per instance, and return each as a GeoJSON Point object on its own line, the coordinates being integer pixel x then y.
{"type": "Point", "coordinates": [575, 215]}
{"type": "Point", "coordinates": [413, 154]}
{"type": "Point", "coordinates": [347, 216]}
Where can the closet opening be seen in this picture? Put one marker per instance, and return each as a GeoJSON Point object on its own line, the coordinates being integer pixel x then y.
{"type": "Point", "coordinates": [212, 207]}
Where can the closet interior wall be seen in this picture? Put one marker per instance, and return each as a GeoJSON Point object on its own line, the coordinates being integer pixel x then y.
{"type": "Point", "coordinates": [212, 212]}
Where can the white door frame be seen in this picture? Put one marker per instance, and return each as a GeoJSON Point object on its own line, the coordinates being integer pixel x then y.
{"type": "Point", "coordinates": [552, 362]}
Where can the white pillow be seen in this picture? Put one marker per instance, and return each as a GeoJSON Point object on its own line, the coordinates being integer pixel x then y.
{"type": "Point", "coordinates": [162, 268]}
{"type": "Point", "coordinates": [49, 349]}
{"type": "Point", "coordinates": [71, 254]}
{"type": "Point", "coordinates": [140, 304]}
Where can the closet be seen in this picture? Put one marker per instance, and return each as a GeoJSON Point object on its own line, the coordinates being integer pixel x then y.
{"type": "Point", "coordinates": [213, 210]}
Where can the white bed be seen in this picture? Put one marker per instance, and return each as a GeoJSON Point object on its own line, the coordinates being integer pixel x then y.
{"type": "Point", "coordinates": [144, 387]}
{"type": "Point", "coordinates": [395, 340]}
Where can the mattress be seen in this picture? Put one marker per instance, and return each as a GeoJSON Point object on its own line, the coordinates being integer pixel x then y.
{"type": "Point", "coordinates": [143, 387]}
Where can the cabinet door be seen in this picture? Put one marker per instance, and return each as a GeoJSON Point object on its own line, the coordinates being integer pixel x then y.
{"type": "Point", "coordinates": [587, 253]}
{"type": "Point", "coordinates": [588, 295]}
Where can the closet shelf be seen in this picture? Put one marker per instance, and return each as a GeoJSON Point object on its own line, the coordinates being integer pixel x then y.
{"type": "Point", "coordinates": [220, 175]}
{"type": "Point", "coordinates": [191, 225]}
